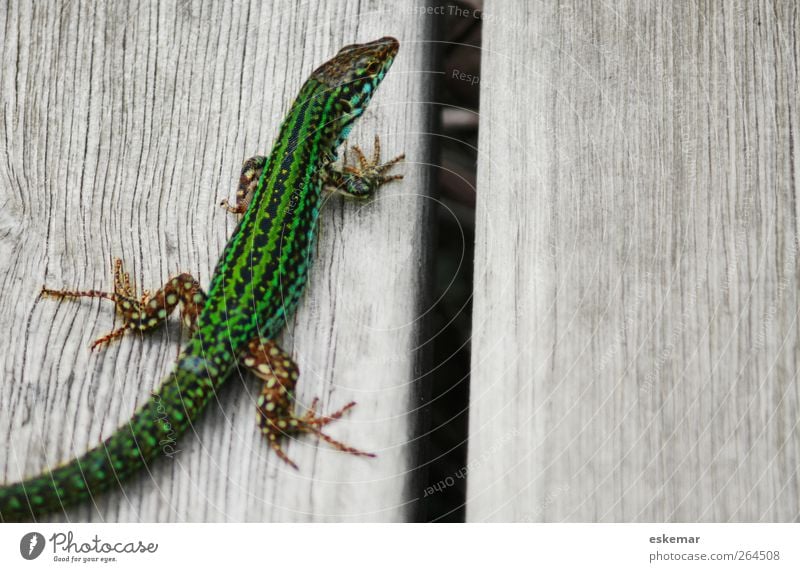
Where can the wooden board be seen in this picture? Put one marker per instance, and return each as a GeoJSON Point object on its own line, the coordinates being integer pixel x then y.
{"type": "Point", "coordinates": [635, 350]}
{"type": "Point", "coordinates": [122, 126]}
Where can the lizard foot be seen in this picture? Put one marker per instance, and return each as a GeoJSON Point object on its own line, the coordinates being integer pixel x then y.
{"type": "Point", "coordinates": [363, 179]}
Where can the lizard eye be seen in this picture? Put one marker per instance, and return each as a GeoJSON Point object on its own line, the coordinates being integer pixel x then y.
{"type": "Point", "coordinates": [372, 68]}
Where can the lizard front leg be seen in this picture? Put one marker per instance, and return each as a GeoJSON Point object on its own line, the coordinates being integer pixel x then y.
{"type": "Point", "coordinates": [248, 181]}
{"type": "Point", "coordinates": [275, 404]}
{"type": "Point", "coordinates": [147, 311]}
{"type": "Point", "coordinates": [362, 180]}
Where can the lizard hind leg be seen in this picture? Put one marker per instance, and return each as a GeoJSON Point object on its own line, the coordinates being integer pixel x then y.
{"type": "Point", "coordinates": [276, 415]}
{"type": "Point", "coordinates": [148, 311]}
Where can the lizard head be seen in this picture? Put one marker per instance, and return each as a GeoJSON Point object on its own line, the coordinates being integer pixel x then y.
{"type": "Point", "coordinates": [352, 76]}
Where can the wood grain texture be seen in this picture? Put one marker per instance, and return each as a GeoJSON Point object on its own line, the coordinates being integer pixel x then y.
{"type": "Point", "coordinates": [635, 351]}
{"type": "Point", "coordinates": [122, 126]}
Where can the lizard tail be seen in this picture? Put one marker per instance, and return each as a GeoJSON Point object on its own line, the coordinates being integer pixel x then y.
{"type": "Point", "coordinates": [151, 432]}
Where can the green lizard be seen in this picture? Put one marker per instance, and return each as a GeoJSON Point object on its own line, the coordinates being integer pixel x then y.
{"type": "Point", "coordinates": [257, 284]}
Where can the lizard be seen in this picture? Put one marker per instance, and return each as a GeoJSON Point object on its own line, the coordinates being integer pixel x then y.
{"type": "Point", "coordinates": [256, 285]}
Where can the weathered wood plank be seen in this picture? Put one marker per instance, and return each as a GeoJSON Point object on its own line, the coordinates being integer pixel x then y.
{"type": "Point", "coordinates": [122, 125]}
{"type": "Point", "coordinates": [635, 350]}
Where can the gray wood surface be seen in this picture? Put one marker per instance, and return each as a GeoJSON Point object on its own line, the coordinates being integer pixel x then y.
{"type": "Point", "coordinates": [122, 126]}
{"type": "Point", "coordinates": [635, 350]}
